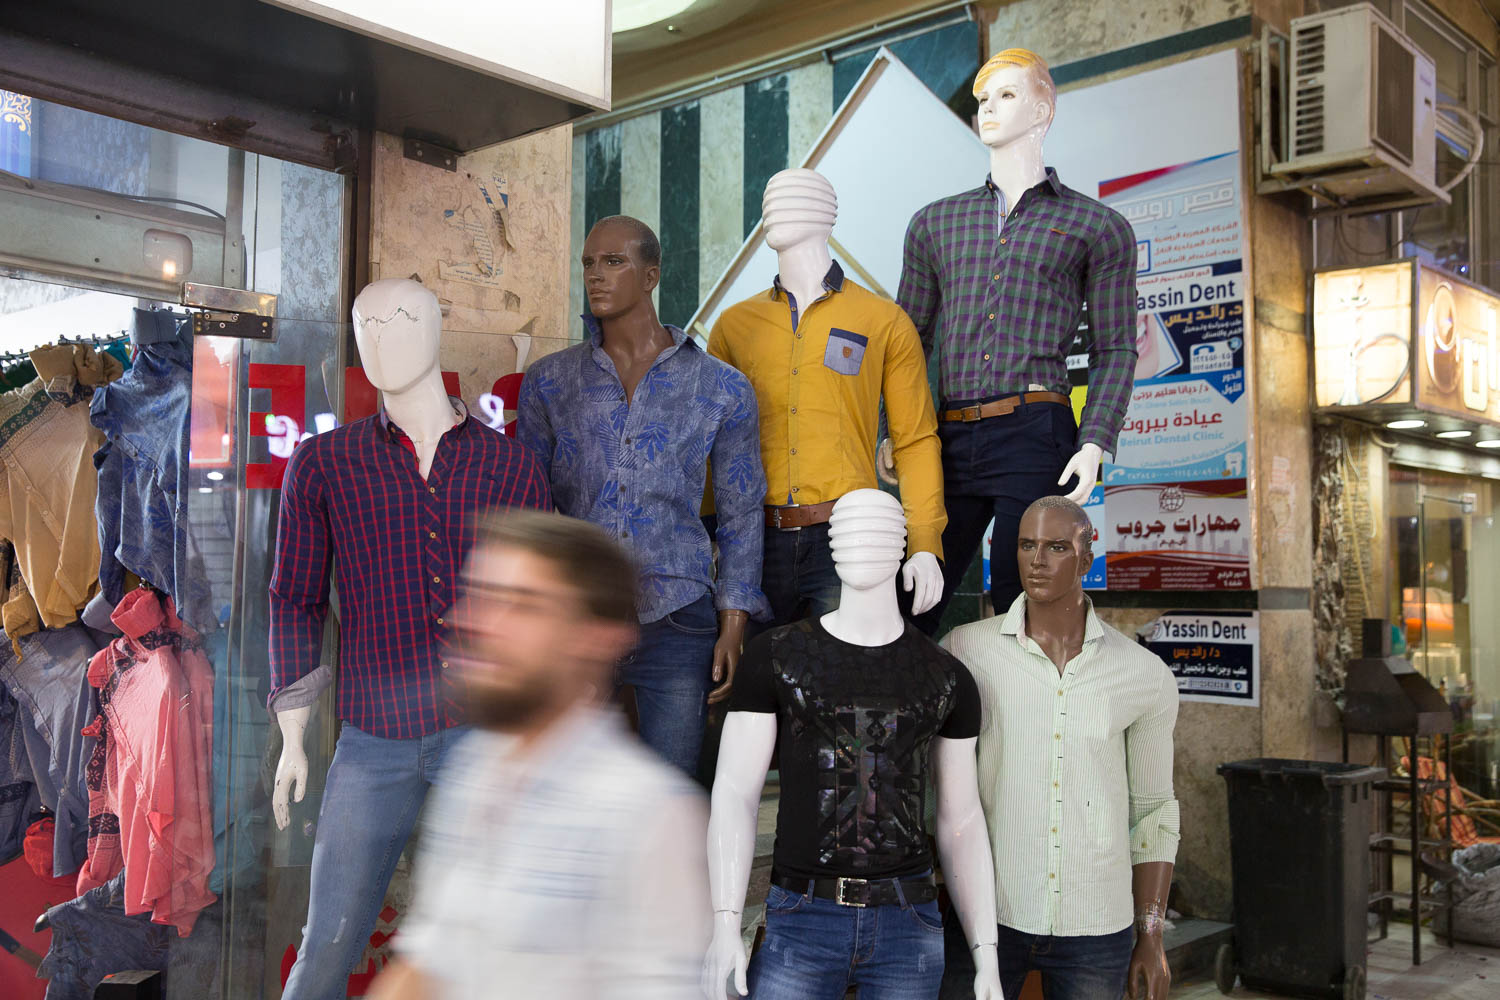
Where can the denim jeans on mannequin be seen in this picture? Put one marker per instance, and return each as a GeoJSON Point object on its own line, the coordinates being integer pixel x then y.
{"type": "Point", "coordinates": [797, 574]}
{"type": "Point", "coordinates": [374, 792]}
{"type": "Point", "coordinates": [671, 670]}
{"type": "Point", "coordinates": [815, 949]}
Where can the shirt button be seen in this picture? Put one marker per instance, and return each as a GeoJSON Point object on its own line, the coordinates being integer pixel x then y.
{"type": "Point", "coordinates": [986, 357]}
{"type": "Point", "coordinates": [997, 277]}
{"type": "Point", "coordinates": [627, 440]}
{"type": "Point", "coordinates": [432, 489]}
{"type": "Point", "coordinates": [1054, 829]}
{"type": "Point", "coordinates": [445, 664]}
{"type": "Point", "coordinates": [440, 621]}
{"type": "Point", "coordinates": [992, 315]}
{"type": "Point", "coordinates": [796, 489]}
{"type": "Point", "coordinates": [437, 579]}
{"type": "Point", "coordinates": [1057, 736]}
{"type": "Point", "coordinates": [799, 336]}
{"type": "Point", "coordinates": [432, 534]}
{"type": "Point", "coordinates": [794, 409]}
{"type": "Point", "coordinates": [1054, 784]}
{"type": "Point", "coordinates": [794, 371]}
{"type": "Point", "coordinates": [1003, 240]}
{"type": "Point", "coordinates": [793, 451]}
{"type": "Point", "coordinates": [1052, 875]}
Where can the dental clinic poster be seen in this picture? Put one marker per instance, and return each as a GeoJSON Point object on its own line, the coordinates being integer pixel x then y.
{"type": "Point", "coordinates": [1176, 512]}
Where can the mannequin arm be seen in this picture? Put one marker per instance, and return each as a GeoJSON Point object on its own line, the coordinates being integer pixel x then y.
{"type": "Point", "coordinates": [401, 981]}
{"type": "Point", "coordinates": [291, 769]}
{"type": "Point", "coordinates": [914, 438]}
{"type": "Point", "coordinates": [1085, 465]}
{"type": "Point", "coordinates": [1150, 976]}
{"type": "Point", "coordinates": [727, 651]}
{"type": "Point", "coordinates": [744, 755]}
{"type": "Point", "coordinates": [963, 845]}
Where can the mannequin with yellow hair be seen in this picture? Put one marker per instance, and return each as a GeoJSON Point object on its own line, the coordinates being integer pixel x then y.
{"type": "Point", "coordinates": [997, 280]}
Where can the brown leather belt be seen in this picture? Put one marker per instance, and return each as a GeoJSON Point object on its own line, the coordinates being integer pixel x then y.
{"type": "Point", "coordinates": [799, 516]}
{"type": "Point", "coordinates": [1000, 407]}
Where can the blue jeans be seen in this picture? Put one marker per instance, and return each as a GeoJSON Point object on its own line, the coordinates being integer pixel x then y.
{"type": "Point", "coordinates": [671, 669]}
{"type": "Point", "coordinates": [374, 791]}
{"type": "Point", "coordinates": [816, 949]}
{"type": "Point", "coordinates": [996, 467]}
{"type": "Point", "coordinates": [797, 574]}
{"type": "Point", "coordinates": [1090, 967]}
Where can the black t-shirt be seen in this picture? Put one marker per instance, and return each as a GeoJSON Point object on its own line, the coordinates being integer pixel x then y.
{"type": "Point", "coordinates": [854, 727]}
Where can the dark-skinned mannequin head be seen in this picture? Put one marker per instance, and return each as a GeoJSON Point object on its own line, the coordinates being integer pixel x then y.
{"type": "Point", "coordinates": [1054, 549]}
{"type": "Point", "coordinates": [621, 267]}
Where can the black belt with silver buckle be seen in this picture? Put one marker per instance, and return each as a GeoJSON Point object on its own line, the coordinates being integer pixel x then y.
{"type": "Point", "coordinates": [861, 892]}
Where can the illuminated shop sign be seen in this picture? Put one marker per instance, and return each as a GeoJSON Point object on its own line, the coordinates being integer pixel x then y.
{"type": "Point", "coordinates": [1404, 336]}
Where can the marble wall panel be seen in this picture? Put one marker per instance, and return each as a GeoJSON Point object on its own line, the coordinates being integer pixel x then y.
{"type": "Point", "coordinates": [721, 184]}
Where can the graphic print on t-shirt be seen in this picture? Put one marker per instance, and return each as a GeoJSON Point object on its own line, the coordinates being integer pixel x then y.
{"type": "Point", "coordinates": [855, 728]}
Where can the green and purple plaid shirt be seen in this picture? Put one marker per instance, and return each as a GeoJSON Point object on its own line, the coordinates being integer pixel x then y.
{"type": "Point", "coordinates": [1005, 305]}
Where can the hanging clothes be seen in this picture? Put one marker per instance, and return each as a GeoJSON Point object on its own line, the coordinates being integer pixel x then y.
{"type": "Point", "coordinates": [47, 674]}
{"type": "Point", "coordinates": [142, 505]}
{"type": "Point", "coordinates": [19, 801]}
{"type": "Point", "coordinates": [47, 480]}
{"type": "Point", "coordinates": [18, 613]}
{"type": "Point", "coordinates": [150, 797]}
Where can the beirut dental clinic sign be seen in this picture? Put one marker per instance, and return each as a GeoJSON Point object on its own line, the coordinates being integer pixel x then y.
{"type": "Point", "coordinates": [1391, 338]}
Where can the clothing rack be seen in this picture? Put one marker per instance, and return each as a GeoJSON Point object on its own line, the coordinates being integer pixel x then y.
{"type": "Point", "coordinates": [97, 340]}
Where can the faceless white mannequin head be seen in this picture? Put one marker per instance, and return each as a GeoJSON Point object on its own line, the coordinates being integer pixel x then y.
{"type": "Point", "coordinates": [397, 326]}
{"type": "Point", "coordinates": [799, 205]}
{"type": "Point", "coordinates": [867, 535]}
{"type": "Point", "coordinates": [1017, 99]}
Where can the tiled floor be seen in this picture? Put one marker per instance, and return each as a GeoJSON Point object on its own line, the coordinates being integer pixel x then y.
{"type": "Point", "coordinates": [1468, 972]}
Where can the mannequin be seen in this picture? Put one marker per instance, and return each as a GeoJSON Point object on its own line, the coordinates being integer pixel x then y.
{"type": "Point", "coordinates": [867, 542]}
{"type": "Point", "coordinates": [389, 505]}
{"type": "Point", "coordinates": [821, 352]}
{"type": "Point", "coordinates": [1112, 792]}
{"type": "Point", "coordinates": [1001, 275]}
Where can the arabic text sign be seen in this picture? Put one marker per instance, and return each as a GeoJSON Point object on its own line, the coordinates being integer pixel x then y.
{"type": "Point", "coordinates": [1178, 536]}
{"type": "Point", "coordinates": [1215, 657]}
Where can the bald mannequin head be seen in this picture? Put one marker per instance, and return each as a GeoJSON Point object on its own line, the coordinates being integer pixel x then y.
{"type": "Point", "coordinates": [1054, 549]}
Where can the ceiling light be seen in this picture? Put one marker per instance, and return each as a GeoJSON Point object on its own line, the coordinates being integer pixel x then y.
{"type": "Point", "coordinates": [631, 14]}
{"type": "Point", "coordinates": [1405, 425]}
{"type": "Point", "coordinates": [1492, 443]}
{"type": "Point", "coordinates": [1455, 434]}
{"type": "Point", "coordinates": [216, 476]}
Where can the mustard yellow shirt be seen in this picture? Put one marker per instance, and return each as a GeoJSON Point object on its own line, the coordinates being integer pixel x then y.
{"type": "Point", "coordinates": [819, 374]}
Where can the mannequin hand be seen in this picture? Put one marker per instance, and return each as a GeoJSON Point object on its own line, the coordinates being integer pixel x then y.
{"type": "Point", "coordinates": [1150, 976]}
{"type": "Point", "coordinates": [726, 954]}
{"type": "Point", "coordinates": [987, 974]}
{"type": "Point", "coordinates": [291, 770]}
{"type": "Point", "coordinates": [727, 652]}
{"type": "Point", "coordinates": [923, 577]}
{"type": "Point", "coordinates": [885, 462]}
{"type": "Point", "coordinates": [1084, 465]}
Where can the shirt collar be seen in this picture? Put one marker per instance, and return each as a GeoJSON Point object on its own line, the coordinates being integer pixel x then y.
{"type": "Point", "coordinates": [1050, 181]}
{"type": "Point", "coordinates": [1015, 621]}
{"type": "Point", "coordinates": [595, 333]}
{"type": "Point", "coordinates": [391, 432]}
{"type": "Point", "coordinates": [833, 281]}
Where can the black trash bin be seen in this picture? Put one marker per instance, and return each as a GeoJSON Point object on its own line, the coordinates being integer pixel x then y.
{"type": "Point", "coordinates": [1299, 838]}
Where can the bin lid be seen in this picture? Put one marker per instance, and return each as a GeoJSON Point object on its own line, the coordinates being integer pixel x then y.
{"type": "Point", "coordinates": [1330, 773]}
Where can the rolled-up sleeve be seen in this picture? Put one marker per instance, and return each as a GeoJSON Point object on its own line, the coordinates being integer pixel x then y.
{"type": "Point", "coordinates": [1155, 820]}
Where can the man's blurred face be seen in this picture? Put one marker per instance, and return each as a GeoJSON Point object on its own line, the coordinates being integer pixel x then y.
{"type": "Point", "coordinates": [1052, 553]}
{"type": "Point", "coordinates": [523, 636]}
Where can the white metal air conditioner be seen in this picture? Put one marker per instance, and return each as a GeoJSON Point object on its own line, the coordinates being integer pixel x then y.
{"type": "Point", "coordinates": [1360, 114]}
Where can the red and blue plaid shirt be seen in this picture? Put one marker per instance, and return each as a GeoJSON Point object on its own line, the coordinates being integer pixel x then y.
{"type": "Point", "coordinates": [357, 492]}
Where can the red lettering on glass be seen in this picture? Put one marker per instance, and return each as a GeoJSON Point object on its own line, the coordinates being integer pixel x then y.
{"type": "Point", "coordinates": [288, 385]}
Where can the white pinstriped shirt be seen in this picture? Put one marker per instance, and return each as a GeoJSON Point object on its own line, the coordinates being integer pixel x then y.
{"type": "Point", "coordinates": [1075, 771]}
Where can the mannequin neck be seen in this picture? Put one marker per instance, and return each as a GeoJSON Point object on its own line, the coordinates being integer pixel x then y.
{"type": "Point", "coordinates": [803, 267]}
{"type": "Point", "coordinates": [1058, 626]}
{"type": "Point", "coordinates": [1017, 167]}
{"type": "Point", "coordinates": [423, 410]}
{"type": "Point", "coordinates": [867, 617]}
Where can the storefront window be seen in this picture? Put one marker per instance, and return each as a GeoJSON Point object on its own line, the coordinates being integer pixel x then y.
{"type": "Point", "coordinates": [1446, 585]}
{"type": "Point", "coordinates": [210, 422]}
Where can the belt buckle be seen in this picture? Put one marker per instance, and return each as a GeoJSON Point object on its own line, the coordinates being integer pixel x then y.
{"type": "Point", "coordinates": [839, 892]}
{"type": "Point", "coordinates": [776, 518]}
{"type": "Point", "coordinates": [969, 414]}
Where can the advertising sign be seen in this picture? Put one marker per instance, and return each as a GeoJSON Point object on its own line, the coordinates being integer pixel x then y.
{"type": "Point", "coordinates": [1215, 657]}
{"type": "Point", "coordinates": [1406, 336]}
{"type": "Point", "coordinates": [1176, 513]}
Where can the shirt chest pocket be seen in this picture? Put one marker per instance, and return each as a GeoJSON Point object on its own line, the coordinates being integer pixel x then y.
{"type": "Point", "coordinates": [845, 352]}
